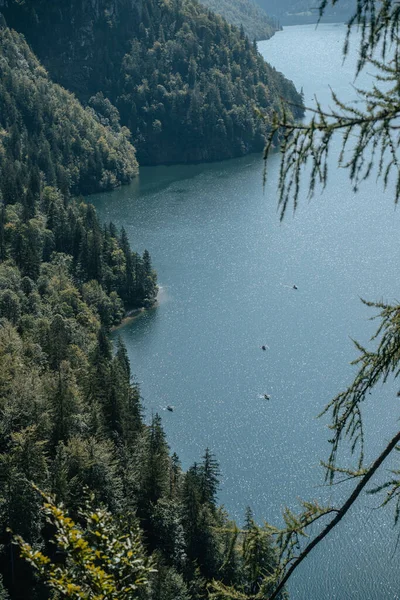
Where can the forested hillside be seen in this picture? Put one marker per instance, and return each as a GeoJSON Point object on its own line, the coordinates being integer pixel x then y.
{"type": "Point", "coordinates": [255, 21]}
{"type": "Point", "coordinates": [184, 81]}
{"type": "Point", "coordinates": [44, 126]}
{"type": "Point", "coordinates": [50, 148]}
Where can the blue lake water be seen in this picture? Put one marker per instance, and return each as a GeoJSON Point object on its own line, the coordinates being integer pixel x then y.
{"type": "Point", "coordinates": [227, 266]}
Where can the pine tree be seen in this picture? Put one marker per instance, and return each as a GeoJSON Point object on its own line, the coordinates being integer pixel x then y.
{"type": "Point", "coordinates": [175, 476]}
{"type": "Point", "coordinates": [65, 404]}
{"type": "Point", "coordinates": [24, 461]}
{"type": "Point", "coordinates": [3, 220]}
{"type": "Point", "coordinates": [59, 336]}
{"type": "Point", "coordinates": [209, 473]}
{"type": "Point", "coordinates": [32, 195]}
{"type": "Point", "coordinates": [128, 291]}
{"type": "Point", "coordinates": [259, 558]}
{"type": "Point", "coordinates": [156, 482]}
{"type": "Point", "coordinates": [98, 382]}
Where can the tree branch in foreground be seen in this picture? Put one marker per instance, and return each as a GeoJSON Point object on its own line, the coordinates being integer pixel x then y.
{"type": "Point", "coordinates": [341, 513]}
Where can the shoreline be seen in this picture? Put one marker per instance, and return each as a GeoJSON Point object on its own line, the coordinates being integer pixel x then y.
{"type": "Point", "coordinates": [135, 313]}
{"type": "Point", "coordinates": [130, 316]}
{"type": "Point", "coordinates": [291, 20]}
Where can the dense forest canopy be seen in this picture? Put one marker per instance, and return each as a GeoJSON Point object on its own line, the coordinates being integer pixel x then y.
{"type": "Point", "coordinates": [185, 82]}
{"type": "Point", "coordinates": [255, 21]}
{"type": "Point", "coordinates": [51, 148]}
{"type": "Point", "coordinates": [44, 126]}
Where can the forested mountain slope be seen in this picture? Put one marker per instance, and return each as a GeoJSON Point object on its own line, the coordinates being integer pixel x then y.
{"type": "Point", "coordinates": [184, 81]}
{"type": "Point", "coordinates": [255, 21]}
{"type": "Point", "coordinates": [50, 148]}
{"type": "Point", "coordinates": [43, 125]}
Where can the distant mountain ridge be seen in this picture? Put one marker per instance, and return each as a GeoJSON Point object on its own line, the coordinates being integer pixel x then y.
{"type": "Point", "coordinates": [292, 12]}
{"type": "Point", "coordinates": [185, 82]}
{"type": "Point", "coordinates": [255, 21]}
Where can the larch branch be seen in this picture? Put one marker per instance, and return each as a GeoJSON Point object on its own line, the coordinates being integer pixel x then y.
{"type": "Point", "coordinates": [341, 513]}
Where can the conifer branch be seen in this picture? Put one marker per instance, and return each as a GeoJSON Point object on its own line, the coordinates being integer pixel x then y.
{"type": "Point", "coordinates": [340, 514]}
{"type": "Point", "coordinates": [374, 366]}
{"type": "Point", "coordinates": [372, 127]}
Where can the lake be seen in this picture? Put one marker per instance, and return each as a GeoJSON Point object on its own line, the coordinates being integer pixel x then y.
{"type": "Point", "coordinates": [226, 267]}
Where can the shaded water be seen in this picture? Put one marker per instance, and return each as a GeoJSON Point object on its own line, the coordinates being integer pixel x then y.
{"type": "Point", "coordinates": [226, 266]}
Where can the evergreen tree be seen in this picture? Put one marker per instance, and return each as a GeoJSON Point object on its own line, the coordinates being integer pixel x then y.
{"type": "Point", "coordinates": [3, 220]}
{"type": "Point", "coordinates": [209, 478]}
{"type": "Point", "coordinates": [65, 404]}
{"type": "Point", "coordinates": [58, 341]}
{"type": "Point", "coordinates": [99, 382]}
{"type": "Point", "coordinates": [129, 285]}
{"type": "Point", "coordinates": [156, 470]}
{"type": "Point", "coordinates": [199, 521]}
{"type": "Point", "coordinates": [259, 558]}
{"type": "Point", "coordinates": [24, 461]}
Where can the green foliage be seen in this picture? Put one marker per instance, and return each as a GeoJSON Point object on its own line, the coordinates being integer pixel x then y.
{"type": "Point", "coordinates": [3, 592]}
{"type": "Point", "coordinates": [186, 83]}
{"type": "Point", "coordinates": [103, 559]}
{"type": "Point", "coordinates": [43, 127]}
{"type": "Point", "coordinates": [254, 550]}
{"type": "Point", "coordinates": [209, 474]}
{"type": "Point", "coordinates": [374, 367]}
{"type": "Point", "coordinates": [373, 125]}
{"type": "Point", "coordinates": [110, 277]}
{"type": "Point", "coordinates": [168, 584]}
{"type": "Point", "coordinates": [69, 412]}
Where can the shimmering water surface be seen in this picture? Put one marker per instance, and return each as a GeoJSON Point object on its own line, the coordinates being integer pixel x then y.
{"type": "Point", "coordinates": [226, 266]}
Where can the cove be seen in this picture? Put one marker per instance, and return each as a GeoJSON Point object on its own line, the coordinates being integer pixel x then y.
{"type": "Point", "coordinates": [227, 266]}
